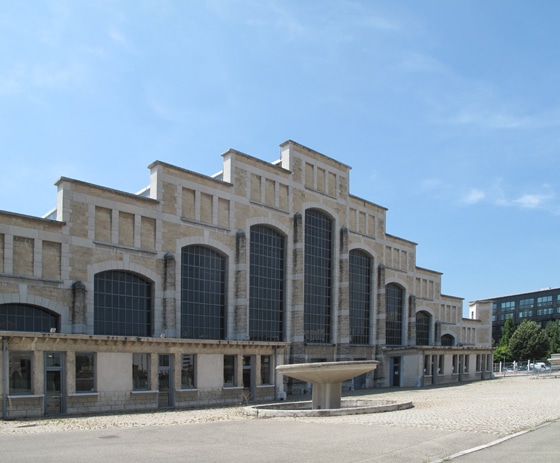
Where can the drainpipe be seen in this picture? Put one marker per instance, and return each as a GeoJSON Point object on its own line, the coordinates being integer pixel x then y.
{"type": "Point", "coordinates": [4, 378]}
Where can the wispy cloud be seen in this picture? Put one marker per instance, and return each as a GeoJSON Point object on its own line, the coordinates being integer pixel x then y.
{"type": "Point", "coordinates": [474, 196]}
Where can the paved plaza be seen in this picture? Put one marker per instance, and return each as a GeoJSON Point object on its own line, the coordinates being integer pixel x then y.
{"type": "Point", "coordinates": [518, 414]}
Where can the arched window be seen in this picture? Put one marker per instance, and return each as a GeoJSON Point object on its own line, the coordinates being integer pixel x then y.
{"type": "Point", "coordinates": [122, 304]}
{"type": "Point", "coordinates": [266, 288]}
{"type": "Point", "coordinates": [423, 328]}
{"type": "Point", "coordinates": [447, 340]}
{"type": "Point", "coordinates": [203, 293]}
{"type": "Point", "coordinates": [318, 277]}
{"type": "Point", "coordinates": [394, 299]}
{"type": "Point", "coordinates": [25, 317]}
{"type": "Point", "coordinates": [360, 296]}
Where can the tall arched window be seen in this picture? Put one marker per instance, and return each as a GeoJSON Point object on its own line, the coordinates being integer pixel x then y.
{"type": "Point", "coordinates": [394, 299]}
{"type": "Point", "coordinates": [360, 296]}
{"type": "Point", "coordinates": [25, 317]}
{"type": "Point", "coordinates": [266, 287]}
{"type": "Point", "coordinates": [203, 293]}
{"type": "Point", "coordinates": [318, 277]}
{"type": "Point", "coordinates": [122, 304]}
{"type": "Point", "coordinates": [423, 328]}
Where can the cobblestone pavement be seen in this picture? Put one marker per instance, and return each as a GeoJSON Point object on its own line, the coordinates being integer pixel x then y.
{"type": "Point", "coordinates": [496, 407]}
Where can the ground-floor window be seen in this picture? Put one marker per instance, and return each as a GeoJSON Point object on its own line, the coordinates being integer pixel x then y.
{"type": "Point", "coordinates": [455, 364]}
{"type": "Point", "coordinates": [478, 366]}
{"type": "Point", "coordinates": [441, 363]}
{"type": "Point", "coordinates": [85, 372]}
{"type": "Point", "coordinates": [141, 372]}
{"type": "Point", "coordinates": [20, 372]}
{"type": "Point", "coordinates": [427, 365]}
{"type": "Point", "coordinates": [188, 371]}
{"type": "Point", "coordinates": [266, 369]}
{"type": "Point", "coordinates": [466, 366]}
{"type": "Point", "coordinates": [229, 370]}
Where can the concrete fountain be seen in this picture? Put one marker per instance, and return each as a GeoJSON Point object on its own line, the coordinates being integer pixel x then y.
{"type": "Point", "coordinates": [327, 379]}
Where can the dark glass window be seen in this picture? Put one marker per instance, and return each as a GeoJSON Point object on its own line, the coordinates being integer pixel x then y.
{"type": "Point", "coordinates": [24, 317]}
{"type": "Point", "coordinates": [266, 291]}
{"type": "Point", "coordinates": [85, 372]}
{"type": "Point", "coordinates": [20, 372]}
{"type": "Point", "coordinates": [266, 369]}
{"type": "Point", "coordinates": [188, 371]}
{"type": "Point", "coordinates": [229, 370]}
{"type": "Point", "coordinates": [360, 297]}
{"type": "Point", "coordinates": [394, 300]}
{"type": "Point", "coordinates": [202, 293]}
{"type": "Point", "coordinates": [122, 304]}
{"type": "Point", "coordinates": [318, 277]}
{"type": "Point", "coordinates": [422, 329]}
{"type": "Point", "coordinates": [447, 340]}
{"type": "Point", "coordinates": [141, 372]}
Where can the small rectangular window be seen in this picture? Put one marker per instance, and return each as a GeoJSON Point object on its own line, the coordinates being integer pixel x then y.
{"type": "Point", "coordinates": [20, 372]}
{"type": "Point", "coordinates": [188, 371]}
{"type": "Point", "coordinates": [466, 364]}
{"type": "Point", "coordinates": [85, 372]}
{"type": "Point", "coordinates": [441, 360]}
{"type": "Point", "coordinates": [427, 365]}
{"type": "Point", "coordinates": [266, 369]}
{"type": "Point", "coordinates": [229, 370]}
{"type": "Point", "coordinates": [141, 372]}
{"type": "Point", "coordinates": [455, 365]}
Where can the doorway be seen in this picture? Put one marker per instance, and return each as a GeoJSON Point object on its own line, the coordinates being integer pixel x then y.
{"type": "Point", "coordinates": [54, 383]}
{"type": "Point", "coordinates": [248, 378]}
{"type": "Point", "coordinates": [165, 381]}
{"type": "Point", "coordinates": [396, 371]}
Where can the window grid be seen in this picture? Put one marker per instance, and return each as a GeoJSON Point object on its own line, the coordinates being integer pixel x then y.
{"type": "Point", "coordinates": [141, 372]}
{"type": "Point", "coordinates": [122, 304]}
{"type": "Point", "coordinates": [85, 372]}
{"type": "Point", "coordinates": [188, 371]}
{"type": "Point", "coordinates": [394, 325]}
{"type": "Point", "coordinates": [202, 293]}
{"type": "Point", "coordinates": [422, 329]}
{"type": "Point", "coordinates": [23, 317]}
{"type": "Point", "coordinates": [360, 297]}
{"type": "Point", "coordinates": [318, 270]}
{"type": "Point", "coordinates": [266, 292]}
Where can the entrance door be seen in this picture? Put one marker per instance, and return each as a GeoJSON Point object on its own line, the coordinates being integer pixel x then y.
{"type": "Point", "coordinates": [54, 383]}
{"type": "Point", "coordinates": [165, 381]}
{"type": "Point", "coordinates": [248, 378]}
{"type": "Point", "coordinates": [396, 371]}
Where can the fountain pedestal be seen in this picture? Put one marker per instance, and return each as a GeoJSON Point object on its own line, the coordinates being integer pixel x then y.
{"type": "Point", "coordinates": [327, 378]}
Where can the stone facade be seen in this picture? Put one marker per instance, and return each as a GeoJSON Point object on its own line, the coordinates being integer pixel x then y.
{"type": "Point", "coordinates": [50, 263]}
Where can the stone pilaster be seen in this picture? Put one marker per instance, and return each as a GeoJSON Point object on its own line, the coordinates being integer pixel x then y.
{"type": "Point", "coordinates": [79, 308]}
{"type": "Point", "coordinates": [297, 351]}
{"type": "Point", "coordinates": [343, 336]}
{"type": "Point", "coordinates": [412, 321]}
{"type": "Point", "coordinates": [169, 310]}
{"type": "Point", "coordinates": [241, 317]}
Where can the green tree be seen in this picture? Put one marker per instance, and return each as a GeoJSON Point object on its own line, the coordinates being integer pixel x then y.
{"type": "Point", "coordinates": [503, 354]}
{"type": "Point", "coordinates": [552, 332]}
{"type": "Point", "coordinates": [529, 342]}
{"type": "Point", "coordinates": [507, 332]}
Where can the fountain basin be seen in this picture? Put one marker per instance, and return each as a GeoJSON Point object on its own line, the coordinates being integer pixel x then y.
{"type": "Point", "coordinates": [303, 409]}
{"type": "Point", "coordinates": [327, 378]}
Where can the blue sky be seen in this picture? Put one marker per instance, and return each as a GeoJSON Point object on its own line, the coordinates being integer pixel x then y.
{"type": "Point", "coordinates": [448, 111]}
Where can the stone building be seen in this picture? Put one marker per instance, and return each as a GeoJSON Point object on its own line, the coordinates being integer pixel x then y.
{"type": "Point", "coordinates": [192, 291]}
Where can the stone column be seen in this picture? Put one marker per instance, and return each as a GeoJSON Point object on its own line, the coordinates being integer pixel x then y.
{"type": "Point", "coordinates": [241, 315]}
{"type": "Point", "coordinates": [343, 336]}
{"type": "Point", "coordinates": [79, 308]}
{"type": "Point", "coordinates": [169, 299]}
{"type": "Point", "coordinates": [297, 338]}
